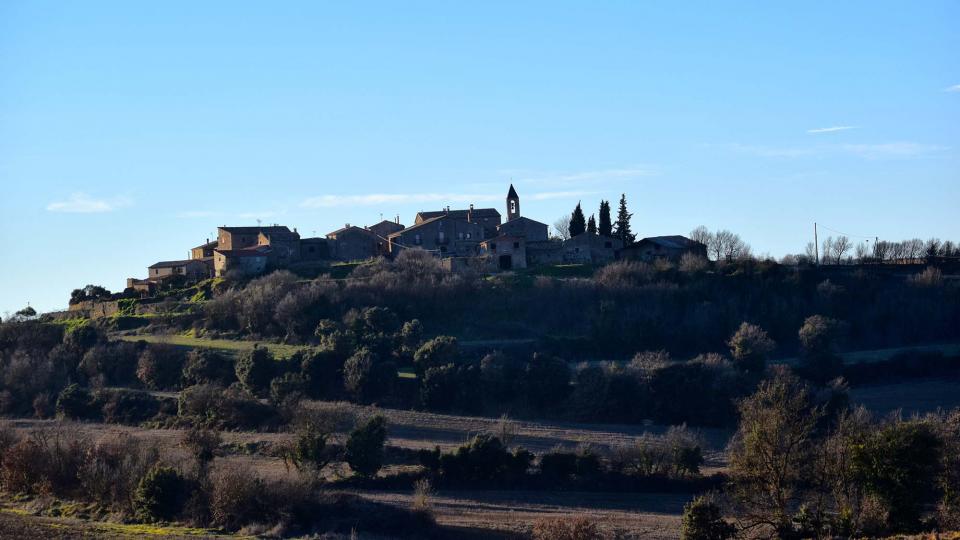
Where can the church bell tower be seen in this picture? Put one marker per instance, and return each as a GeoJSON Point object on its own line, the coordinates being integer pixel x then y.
{"type": "Point", "coordinates": [513, 204]}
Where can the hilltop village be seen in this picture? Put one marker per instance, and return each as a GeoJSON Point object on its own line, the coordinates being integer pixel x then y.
{"type": "Point", "coordinates": [476, 239]}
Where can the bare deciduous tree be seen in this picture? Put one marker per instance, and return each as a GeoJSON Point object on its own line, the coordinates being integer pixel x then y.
{"type": "Point", "coordinates": [701, 234]}
{"type": "Point", "coordinates": [562, 227]}
{"type": "Point", "coordinates": [840, 246]}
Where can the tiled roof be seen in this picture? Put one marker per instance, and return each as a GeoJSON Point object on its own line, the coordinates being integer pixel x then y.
{"type": "Point", "coordinates": [461, 214]}
{"type": "Point", "coordinates": [673, 242]}
{"type": "Point", "coordinates": [208, 245]}
{"type": "Point", "coordinates": [170, 264]}
{"type": "Point", "coordinates": [256, 230]}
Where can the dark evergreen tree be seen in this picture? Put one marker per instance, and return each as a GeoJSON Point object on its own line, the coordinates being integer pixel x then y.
{"type": "Point", "coordinates": [591, 225]}
{"type": "Point", "coordinates": [578, 224]}
{"type": "Point", "coordinates": [622, 230]}
{"type": "Point", "coordinates": [605, 227]}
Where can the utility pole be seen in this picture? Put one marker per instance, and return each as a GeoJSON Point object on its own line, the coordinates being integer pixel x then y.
{"type": "Point", "coordinates": [816, 243]}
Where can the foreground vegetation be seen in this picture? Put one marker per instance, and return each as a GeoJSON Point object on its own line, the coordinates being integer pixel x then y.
{"type": "Point", "coordinates": [687, 345]}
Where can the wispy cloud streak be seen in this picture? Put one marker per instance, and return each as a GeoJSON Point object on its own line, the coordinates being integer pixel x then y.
{"type": "Point", "coordinates": [831, 129]}
{"type": "Point", "coordinates": [81, 203]}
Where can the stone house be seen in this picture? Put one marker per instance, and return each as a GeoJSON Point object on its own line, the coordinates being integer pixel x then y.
{"type": "Point", "coordinates": [232, 238]}
{"type": "Point", "coordinates": [531, 229]}
{"type": "Point", "coordinates": [251, 261]}
{"type": "Point", "coordinates": [204, 251]}
{"type": "Point", "coordinates": [505, 252]}
{"type": "Point", "coordinates": [445, 235]}
{"type": "Point", "coordinates": [488, 218]}
{"type": "Point", "coordinates": [352, 243]}
{"type": "Point", "coordinates": [591, 249]}
{"type": "Point", "coordinates": [663, 247]}
{"type": "Point", "coordinates": [190, 269]}
{"type": "Point", "coordinates": [382, 231]}
{"type": "Point", "coordinates": [314, 249]}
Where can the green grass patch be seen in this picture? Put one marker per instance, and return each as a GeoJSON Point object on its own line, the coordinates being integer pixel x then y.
{"type": "Point", "coordinates": [406, 373]}
{"type": "Point", "coordinates": [71, 324]}
{"type": "Point", "coordinates": [279, 350]}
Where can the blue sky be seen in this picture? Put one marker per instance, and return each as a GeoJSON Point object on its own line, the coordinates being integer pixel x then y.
{"type": "Point", "coordinates": [129, 131]}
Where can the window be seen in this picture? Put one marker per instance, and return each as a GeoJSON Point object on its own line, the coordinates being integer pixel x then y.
{"type": "Point", "coordinates": [513, 207]}
{"type": "Point", "coordinates": [460, 236]}
{"type": "Point", "coordinates": [469, 235]}
{"type": "Point", "coordinates": [440, 236]}
{"type": "Point", "coordinates": [516, 245]}
{"type": "Point", "coordinates": [493, 246]}
{"type": "Point", "coordinates": [416, 239]}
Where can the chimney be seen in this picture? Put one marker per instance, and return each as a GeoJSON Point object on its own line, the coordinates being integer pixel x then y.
{"type": "Point", "coordinates": [347, 226]}
{"type": "Point", "coordinates": [398, 219]}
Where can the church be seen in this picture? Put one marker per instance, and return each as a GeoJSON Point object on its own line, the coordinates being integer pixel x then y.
{"type": "Point", "coordinates": [470, 232]}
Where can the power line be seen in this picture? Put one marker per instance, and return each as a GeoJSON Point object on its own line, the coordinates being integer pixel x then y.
{"type": "Point", "coordinates": [845, 234]}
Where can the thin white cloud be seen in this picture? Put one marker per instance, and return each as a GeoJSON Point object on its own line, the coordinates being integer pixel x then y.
{"type": "Point", "coordinates": [831, 129]}
{"type": "Point", "coordinates": [892, 150]}
{"type": "Point", "coordinates": [954, 88]}
{"type": "Point", "coordinates": [81, 203]}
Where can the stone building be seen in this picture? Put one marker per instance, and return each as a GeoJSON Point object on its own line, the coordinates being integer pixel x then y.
{"type": "Point", "coordinates": [232, 238]}
{"type": "Point", "coordinates": [488, 218]}
{"type": "Point", "coordinates": [251, 261]}
{"type": "Point", "coordinates": [314, 249]}
{"type": "Point", "coordinates": [591, 249]}
{"type": "Point", "coordinates": [382, 231]}
{"type": "Point", "coordinates": [663, 247]}
{"type": "Point", "coordinates": [204, 251]}
{"type": "Point", "coordinates": [352, 243]}
{"type": "Point", "coordinates": [190, 269]}
{"type": "Point", "coordinates": [505, 252]}
{"type": "Point", "coordinates": [445, 235]}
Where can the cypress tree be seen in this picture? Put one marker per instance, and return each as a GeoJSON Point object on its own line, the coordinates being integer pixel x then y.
{"type": "Point", "coordinates": [605, 227]}
{"type": "Point", "coordinates": [591, 225]}
{"type": "Point", "coordinates": [578, 224]}
{"type": "Point", "coordinates": [623, 223]}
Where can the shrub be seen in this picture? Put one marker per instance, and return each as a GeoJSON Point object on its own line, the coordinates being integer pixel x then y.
{"type": "Point", "coordinates": [159, 495]}
{"type": "Point", "coordinates": [202, 444]}
{"type": "Point", "coordinates": [160, 366]}
{"type": "Point", "coordinates": [566, 528]}
{"type": "Point", "coordinates": [899, 464]}
{"type": "Point", "coordinates": [289, 387]}
{"type": "Point", "coordinates": [364, 448]}
{"type": "Point", "coordinates": [366, 378]}
{"type": "Point", "coordinates": [546, 381]}
{"type": "Point", "coordinates": [230, 408]}
{"type": "Point", "coordinates": [439, 351]}
{"type": "Point", "coordinates": [750, 347]}
{"type": "Point", "coordinates": [206, 366]}
{"type": "Point", "coordinates": [309, 448]}
{"type": "Point", "coordinates": [558, 466]}
{"type": "Point", "coordinates": [484, 459]}
{"type": "Point", "coordinates": [820, 337]}
{"type": "Point", "coordinates": [702, 520]}
{"type": "Point", "coordinates": [255, 369]}
{"type": "Point", "coordinates": [322, 371]}
{"type": "Point", "coordinates": [112, 469]}
{"type": "Point", "coordinates": [127, 406]}
{"type": "Point", "coordinates": [235, 498]}
{"type": "Point", "coordinates": [74, 402]}
{"type": "Point", "coordinates": [115, 363]}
